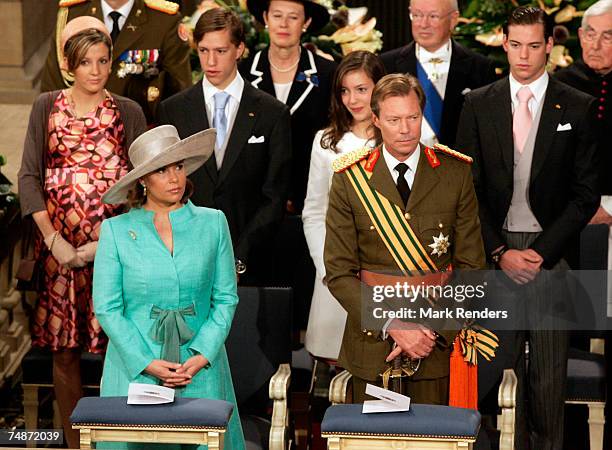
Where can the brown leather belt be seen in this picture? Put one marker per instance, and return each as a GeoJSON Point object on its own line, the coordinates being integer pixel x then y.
{"type": "Point", "coordinates": [381, 279]}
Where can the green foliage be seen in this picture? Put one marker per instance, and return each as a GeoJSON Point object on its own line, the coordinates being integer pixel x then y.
{"type": "Point", "coordinates": [488, 15]}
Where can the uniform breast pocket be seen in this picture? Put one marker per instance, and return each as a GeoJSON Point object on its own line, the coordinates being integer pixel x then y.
{"type": "Point", "coordinates": [436, 232]}
{"type": "Point", "coordinates": [367, 235]}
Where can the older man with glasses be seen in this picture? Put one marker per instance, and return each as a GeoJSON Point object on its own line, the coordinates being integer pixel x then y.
{"type": "Point", "coordinates": [593, 75]}
{"type": "Point", "coordinates": [446, 70]}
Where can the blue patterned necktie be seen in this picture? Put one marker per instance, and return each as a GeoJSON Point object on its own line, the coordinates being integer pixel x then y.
{"type": "Point", "coordinates": [220, 119]}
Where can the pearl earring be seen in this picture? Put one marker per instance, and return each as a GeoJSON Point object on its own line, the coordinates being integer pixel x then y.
{"type": "Point", "coordinates": [144, 189]}
{"type": "Point", "coordinates": [266, 26]}
{"type": "Point", "coordinates": [304, 30]}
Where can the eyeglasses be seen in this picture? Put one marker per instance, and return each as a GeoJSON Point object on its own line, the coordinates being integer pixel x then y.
{"type": "Point", "coordinates": [590, 35]}
{"type": "Point", "coordinates": [434, 18]}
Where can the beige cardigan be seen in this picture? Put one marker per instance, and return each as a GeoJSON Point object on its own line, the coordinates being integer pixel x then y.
{"type": "Point", "coordinates": [32, 172]}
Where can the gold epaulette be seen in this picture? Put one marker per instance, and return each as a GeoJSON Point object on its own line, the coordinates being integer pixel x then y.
{"type": "Point", "coordinates": [348, 159]}
{"type": "Point", "coordinates": [454, 153]}
{"type": "Point", "coordinates": [163, 6]}
{"type": "Point", "coordinates": [67, 3]}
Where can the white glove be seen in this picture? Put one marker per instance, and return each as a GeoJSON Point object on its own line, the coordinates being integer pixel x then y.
{"type": "Point", "coordinates": [87, 252]}
{"type": "Point", "coordinates": [61, 250]}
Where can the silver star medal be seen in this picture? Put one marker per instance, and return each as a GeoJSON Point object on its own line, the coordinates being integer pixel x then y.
{"type": "Point", "coordinates": [440, 245]}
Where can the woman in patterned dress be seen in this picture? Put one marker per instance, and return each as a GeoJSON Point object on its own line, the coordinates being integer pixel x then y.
{"type": "Point", "coordinates": [75, 149]}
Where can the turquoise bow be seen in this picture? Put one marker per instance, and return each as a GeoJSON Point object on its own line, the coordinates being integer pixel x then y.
{"type": "Point", "coordinates": [171, 331]}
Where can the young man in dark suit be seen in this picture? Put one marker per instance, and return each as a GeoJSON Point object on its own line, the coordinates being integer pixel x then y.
{"type": "Point", "coordinates": [445, 69]}
{"type": "Point", "coordinates": [535, 176]}
{"type": "Point", "coordinates": [248, 177]}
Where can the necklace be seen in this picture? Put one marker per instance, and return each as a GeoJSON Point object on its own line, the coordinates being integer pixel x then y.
{"type": "Point", "coordinates": [288, 69]}
{"type": "Point", "coordinates": [72, 103]}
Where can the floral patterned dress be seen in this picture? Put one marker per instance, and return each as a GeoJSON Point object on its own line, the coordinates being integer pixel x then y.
{"type": "Point", "coordinates": [85, 156]}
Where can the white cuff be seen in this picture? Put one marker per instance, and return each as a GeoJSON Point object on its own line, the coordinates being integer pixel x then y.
{"type": "Point", "coordinates": [385, 328]}
{"type": "Point", "coordinates": [606, 203]}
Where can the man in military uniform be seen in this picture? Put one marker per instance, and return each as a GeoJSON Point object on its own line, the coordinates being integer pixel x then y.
{"type": "Point", "coordinates": [429, 197]}
{"type": "Point", "coordinates": [150, 61]}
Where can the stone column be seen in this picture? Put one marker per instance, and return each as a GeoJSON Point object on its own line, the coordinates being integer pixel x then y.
{"type": "Point", "coordinates": [26, 27]}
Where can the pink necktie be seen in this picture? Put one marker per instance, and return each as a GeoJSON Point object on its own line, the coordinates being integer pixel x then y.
{"type": "Point", "coordinates": [522, 118]}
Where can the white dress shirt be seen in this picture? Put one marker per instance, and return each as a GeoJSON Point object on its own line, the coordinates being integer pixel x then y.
{"type": "Point", "coordinates": [438, 74]}
{"type": "Point", "coordinates": [124, 11]}
{"type": "Point", "coordinates": [537, 88]}
{"type": "Point", "coordinates": [412, 162]}
{"type": "Point", "coordinates": [282, 91]}
{"type": "Point", "coordinates": [234, 89]}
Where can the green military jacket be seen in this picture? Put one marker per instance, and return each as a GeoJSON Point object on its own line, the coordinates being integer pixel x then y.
{"type": "Point", "coordinates": [151, 25]}
{"type": "Point", "coordinates": [442, 200]}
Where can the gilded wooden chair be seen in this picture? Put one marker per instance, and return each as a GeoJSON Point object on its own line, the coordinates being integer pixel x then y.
{"type": "Point", "coordinates": [37, 375]}
{"type": "Point", "coordinates": [259, 353]}
{"type": "Point", "coordinates": [429, 427]}
{"type": "Point", "coordinates": [586, 370]}
{"type": "Point", "coordinates": [423, 427]}
{"type": "Point", "coordinates": [197, 421]}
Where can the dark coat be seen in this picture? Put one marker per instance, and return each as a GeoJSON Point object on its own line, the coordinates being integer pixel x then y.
{"type": "Point", "coordinates": [468, 70]}
{"type": "Point", "coordinates": [308, 102]}
{"type": "Point", "coordinates": [252, 185]}
{"type": "Point", "coordinates": [563, 188]}
{"type": "Point", "coordinates": [585, 79]}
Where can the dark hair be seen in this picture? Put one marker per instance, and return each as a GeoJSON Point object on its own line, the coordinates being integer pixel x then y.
{"type": "Point", "coordinates": [78, 45]}
{"type": "Point", "coordinates": [395, 85]}
{"type": "Point", "coordinates": [136, 197]}
{"type": "Point", "coordinates": [340, 119]}
{"type": "Point", "coordinates": [218, 19]}
{"type": "Point", "coordinates": [530, 15]}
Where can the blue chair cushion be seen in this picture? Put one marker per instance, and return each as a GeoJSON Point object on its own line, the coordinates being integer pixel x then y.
{"type": "Point", "coordinates": [421, 420]}
{"type": "Point", "coordinates": [586, 376]}
{"type": "Point", "coordinates": [183, 412]}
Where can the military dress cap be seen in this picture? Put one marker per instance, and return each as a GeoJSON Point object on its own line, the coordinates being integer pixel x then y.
{"type": "Point", "coordinates": [318, 13]}
{"type": "Point", "coordinates": [158, 148]}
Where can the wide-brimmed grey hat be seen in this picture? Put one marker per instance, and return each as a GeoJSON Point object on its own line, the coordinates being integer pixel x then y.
{"type": "Point", "coordinates": [158, 148]}
{"type": "Point", "coordinates": [318, 13]}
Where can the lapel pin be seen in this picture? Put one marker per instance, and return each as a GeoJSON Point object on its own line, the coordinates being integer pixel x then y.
{"type": "Point", "coordinates": [251, 114]}
{"type": "Point", "coordinates": [132, 234]}
{"type": "Point", "coordinates": [558, 106]}
{"type": "Point", "coordinates": [93, 10]}
{"type": "Point", "coordinates": [131, 27]}
{"type": "Point", "coordinates": [138, 12]}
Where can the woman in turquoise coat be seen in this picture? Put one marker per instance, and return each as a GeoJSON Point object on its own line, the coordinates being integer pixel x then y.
{"type": "Point", "coordinates": [164, 280]}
